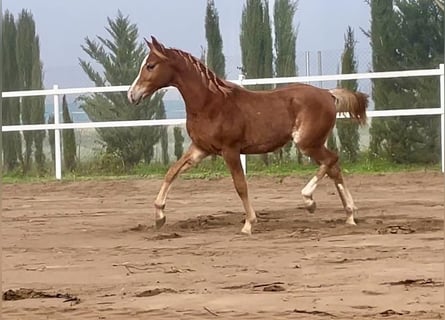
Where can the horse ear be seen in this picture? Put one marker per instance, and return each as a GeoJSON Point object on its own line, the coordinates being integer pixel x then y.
{"type": "Point", "coordinates": [156, 42]}
{"type": "Point", "coordinates": [149, 44]}
{"type": "Point", "coordinates": [157, 48]}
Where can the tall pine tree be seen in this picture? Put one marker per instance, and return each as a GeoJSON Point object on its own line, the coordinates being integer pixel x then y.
{"type": "Point", "coordinates": [347, 130]}
{"type": "Point", "coordinates": [120, 57]}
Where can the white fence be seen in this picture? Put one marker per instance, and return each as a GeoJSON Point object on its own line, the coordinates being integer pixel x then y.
{"type": "Point", "coordinates": [57, 126]}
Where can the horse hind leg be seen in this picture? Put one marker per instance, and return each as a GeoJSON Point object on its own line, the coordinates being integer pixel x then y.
{"type": "Point", "coordinates": [309, 188]}
{"type": "Point", "coordinates": [328, 162]}
{"type": "Point", "coordinates": [335, 174]}
{"type": "Point", "coordinates": [325, 159]}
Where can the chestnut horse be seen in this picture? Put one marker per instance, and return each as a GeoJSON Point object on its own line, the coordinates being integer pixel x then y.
{"type": "Point", "coordinates": [226, 119]}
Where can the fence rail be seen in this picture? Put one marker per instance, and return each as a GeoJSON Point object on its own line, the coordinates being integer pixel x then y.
{"type": "Point", "coordinates": [57, 126]}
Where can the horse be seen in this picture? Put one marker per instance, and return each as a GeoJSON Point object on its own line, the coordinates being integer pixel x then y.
{"type": "Point", "coordinates": [225, 119]}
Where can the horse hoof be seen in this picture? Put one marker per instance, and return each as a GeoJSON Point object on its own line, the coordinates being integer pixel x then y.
{"type": "Point", "coordinates": [247, 230]}
{"type": "Point", "coordinates": [160, 222]}
{"type": "Point", "coordinates": [311, 208]}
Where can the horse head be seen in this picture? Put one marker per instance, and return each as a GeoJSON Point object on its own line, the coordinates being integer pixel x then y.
{"type": "Point", "coordinates": [155, 73]}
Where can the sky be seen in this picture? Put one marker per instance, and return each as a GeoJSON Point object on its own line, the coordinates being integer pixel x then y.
{"type": "Point", "coordinates": [62, 27]}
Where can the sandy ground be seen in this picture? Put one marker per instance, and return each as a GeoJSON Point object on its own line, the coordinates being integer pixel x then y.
{"type": "Point", "coordinates": [91, 245]}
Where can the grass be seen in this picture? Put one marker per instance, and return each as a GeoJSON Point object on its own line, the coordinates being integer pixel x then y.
{"type": "Point", "coordinates": [216, 169]}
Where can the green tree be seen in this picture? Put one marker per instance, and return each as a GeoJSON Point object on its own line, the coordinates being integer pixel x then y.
{"type": "Point", "coordinates": [347, 130]}
{"type": "Point", "coordinates": [285, 49]}
{"type": "Point", "coordinates": [51, 136]}
{"type": "Point", "coordinates": [406, 34]}
{"type": "Point", "coordinates": [285, 38]}
{"type": "Point", "coordinates": [385, 43]}
{"type": "Point", "coordinates": [164, 136]}
{"type": "Point", "coordinates": [256, 44]}
{"type": "Point", "coordinates": [12, 143]}
{"type": "Point", "coordinates": [30, 77]}
{"type": "Point", "coordinates": [215, 57]}
{"type": "Point", "coordinates": [69, 139]}
{"type": "Point", "coordinates": [422, 38]}
{"type": "Point", "coordinates": [179, 142]}
{"type": "Point", "coordinates": [120, 57]}
{"type": "Point", "coordinates": [38, 108]}
{"type": "Point", "coordinates": [256, 40]}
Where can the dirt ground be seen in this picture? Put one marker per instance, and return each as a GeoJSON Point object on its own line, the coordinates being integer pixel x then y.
{"type": "Point", "coordinates": [87, 250]}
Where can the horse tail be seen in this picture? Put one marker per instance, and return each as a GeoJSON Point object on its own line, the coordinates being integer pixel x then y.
{"type": "Point", "coordinates": [354, 103]}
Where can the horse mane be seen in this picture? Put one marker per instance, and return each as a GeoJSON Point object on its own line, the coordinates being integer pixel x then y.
{"type": "Point", "coordinates": [208, 77]}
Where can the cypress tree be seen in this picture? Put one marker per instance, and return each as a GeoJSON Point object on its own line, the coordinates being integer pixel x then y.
{"type": "Point", "coordinates": [422, 37]}
{"type": "Point", "coordinates": [164, 135]}
{"type": "Point", "coordinates": [25, 58]}
{"type": "Point", "coordinates": [405, 35]}
{"type": "Point", "coordinates": [11, 141]}
{"type": "Point", "coordinates": [256, 40]}
{"type": "Point", "coordinates": [38, 107]}
{"type": "Point", "coordinates": [267, 45]}
{"type": "Point", "coordinates": [383, 46]}
{"type": "Point", "coordinates": [285, 49]}
{"type": "Point", "coordinates": [256, 44]}
{"type": "Point", "coordinates": [347, 130]}
{"type": "Point", "coordinates": [30, 73]}
{"type": "Point", "coordinates": [69, 139]}
{"type": "Point", "coordinates": [285, 38]}
{"type": "Point", "coordinates": [52, 143]}
{"type": "Point", "coordinates": [179, 142]}
{"type": "Point", "coordinates": [215, 57]}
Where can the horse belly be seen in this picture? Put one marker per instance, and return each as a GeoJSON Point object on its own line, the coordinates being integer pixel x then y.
{"type": "Point", "coordinates": [266, 140]}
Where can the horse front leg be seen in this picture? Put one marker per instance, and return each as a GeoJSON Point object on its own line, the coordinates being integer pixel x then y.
{"type": "Point", "coordinates": [190, 158]}
{"type": "Point", "coordinates": [232, 159]}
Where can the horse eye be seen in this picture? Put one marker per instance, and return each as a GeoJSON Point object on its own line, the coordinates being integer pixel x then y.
{"type": "Point", "coordinates": [150, 66]}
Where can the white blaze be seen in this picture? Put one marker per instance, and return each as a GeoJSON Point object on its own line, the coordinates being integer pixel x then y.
{"type": "Point", "coordinates": [132, 87]}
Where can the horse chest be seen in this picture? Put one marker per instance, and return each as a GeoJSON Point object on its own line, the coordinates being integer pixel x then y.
{"type": "Point", "coordinates": [203, 135]}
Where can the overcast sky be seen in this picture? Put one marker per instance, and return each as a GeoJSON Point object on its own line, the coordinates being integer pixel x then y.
{"type": "Point", "coordinates": [63, 25]}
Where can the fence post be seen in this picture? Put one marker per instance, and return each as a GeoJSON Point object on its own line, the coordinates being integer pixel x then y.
{"type": "Point", "coordinates": [442, 115]}
{"type": "Point", "coordinates": [243, 157]}
{"type": "Point", "coordinates": [57, 145]}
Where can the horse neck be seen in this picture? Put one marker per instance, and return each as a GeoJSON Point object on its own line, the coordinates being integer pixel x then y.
{"type": "Point", "coordinates": [194, 91]}
{"type": "Point", "coordinates": [193, 82]}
